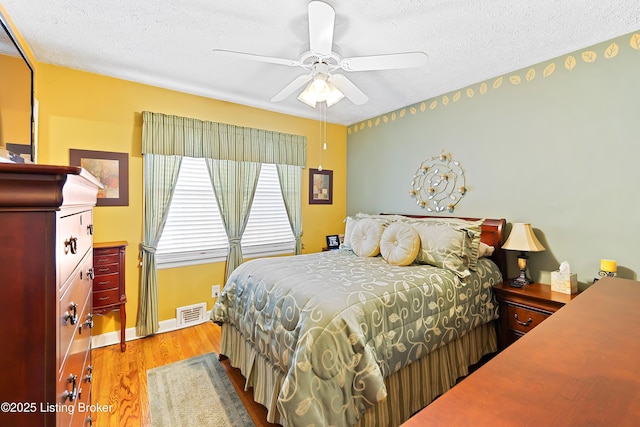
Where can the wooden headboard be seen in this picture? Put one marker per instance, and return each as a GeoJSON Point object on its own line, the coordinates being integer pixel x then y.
{"type": "Point", "coordinates": [492, 234]}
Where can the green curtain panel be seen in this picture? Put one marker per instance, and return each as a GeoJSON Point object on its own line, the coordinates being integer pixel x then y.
{"type": "Point", "coordinates": [290, 177]}
{"type": "Point", "coordinates": [234, 184]}
{"type": "Point", "coordinates": [160, 176]}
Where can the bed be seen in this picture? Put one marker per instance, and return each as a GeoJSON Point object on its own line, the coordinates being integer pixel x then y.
{"type": "Point", "coordinates": [350, 337]}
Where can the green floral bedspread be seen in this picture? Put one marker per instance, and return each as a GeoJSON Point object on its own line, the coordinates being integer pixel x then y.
{"type": "Point", "coordinates": [336, 324]}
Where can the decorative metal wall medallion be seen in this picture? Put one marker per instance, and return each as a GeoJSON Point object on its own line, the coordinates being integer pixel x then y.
{"type": "Point", "coordinates": [438, 184]}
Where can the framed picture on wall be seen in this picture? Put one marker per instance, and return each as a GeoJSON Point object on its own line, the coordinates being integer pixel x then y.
{"type": "Point", "coordinates": [111, 169]}
{"type": "Point", "coordinates": [320, 187]}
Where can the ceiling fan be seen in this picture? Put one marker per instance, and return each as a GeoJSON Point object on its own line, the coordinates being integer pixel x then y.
{"type": "Point", "coordinates": [323, 85]}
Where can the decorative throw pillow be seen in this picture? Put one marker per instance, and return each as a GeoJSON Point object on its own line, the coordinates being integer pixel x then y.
{"type": "Point", "coordinates": [365, 237]}
{"type": "Point", "coordinates": [473, 230]}
{"type": "Point", "coordinates": [447, 246]}
{"type": "Point", "coordinates": [399, 244]}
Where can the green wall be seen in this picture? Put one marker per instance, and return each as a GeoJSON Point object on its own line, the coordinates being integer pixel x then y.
{"type": "Point", "coordinates": [556, 145]}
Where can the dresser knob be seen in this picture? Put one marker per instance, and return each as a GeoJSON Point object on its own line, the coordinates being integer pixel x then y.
{"type": "Point", "coordinates": [89, 322]}
{"type": "Point", "coordinates": [71, 395]}
{"type": "Point", "coordinates": [90, 229]}
{"type": "Point", "coordinates": [90, 273]}
{"type": "Point", "coordinates": [71, 245]}
{"type": "Point", "coordinates": [71, 318]}
{"type": "Point", "coordinates": [89, 377]}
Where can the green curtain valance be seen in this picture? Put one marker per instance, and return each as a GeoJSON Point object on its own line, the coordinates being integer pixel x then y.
{"type": "Point", "coordinates": [182, 136]}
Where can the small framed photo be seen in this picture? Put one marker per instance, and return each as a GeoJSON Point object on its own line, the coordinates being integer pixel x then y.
{"type": "Point", "coordinates": [333, 241]}
{"type": "Point", "coordinates": [111, 169]}
{"type": "Point", "coordinates": [320, 187]}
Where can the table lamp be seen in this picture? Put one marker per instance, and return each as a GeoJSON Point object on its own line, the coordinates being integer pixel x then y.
{"type": "Point", "coordinates": [522, 239]}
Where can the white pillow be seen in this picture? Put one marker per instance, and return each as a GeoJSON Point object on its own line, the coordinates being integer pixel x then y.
{"type": "Point", "coordinates": [348, 231]}
{"type": "Point", "coordinates": [399, 244]}
{"type": "Point", "coordinates": [365, 237]}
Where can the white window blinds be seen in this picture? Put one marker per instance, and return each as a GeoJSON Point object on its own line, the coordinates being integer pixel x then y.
{"type": "Point", "coordinates": [194, 233]}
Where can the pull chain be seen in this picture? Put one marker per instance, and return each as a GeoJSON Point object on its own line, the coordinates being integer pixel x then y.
{"type": "Point", "coordinates": [323, 131]}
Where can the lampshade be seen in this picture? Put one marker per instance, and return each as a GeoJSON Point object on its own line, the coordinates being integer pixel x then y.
{"type": "Point", "coordinates": [320, 89]}
{"type": "Point", "coordinates": [523, 239]}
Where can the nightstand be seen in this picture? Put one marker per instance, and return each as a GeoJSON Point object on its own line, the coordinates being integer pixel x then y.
{"type": "Point", "coordinates": [522, 309]}
{"type": "Point", "coordinates": [109, 292]}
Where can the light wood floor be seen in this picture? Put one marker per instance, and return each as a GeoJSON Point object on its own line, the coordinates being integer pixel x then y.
{"type": "Point", "coordinates": [120, 379]}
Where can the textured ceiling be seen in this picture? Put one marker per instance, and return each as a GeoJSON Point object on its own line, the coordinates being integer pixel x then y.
{"type": "Point", "coordinates": [170, 43]}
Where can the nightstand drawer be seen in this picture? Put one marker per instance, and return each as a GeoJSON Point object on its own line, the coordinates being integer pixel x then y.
{"type": "Point", "coordinates": [104, 298]}
{"type": "Point", "coordinates": [100, 258]}
{"type": "Point", "coordinates": [524, 319]}
{"type": "Point", "coordinates": [106, 282]}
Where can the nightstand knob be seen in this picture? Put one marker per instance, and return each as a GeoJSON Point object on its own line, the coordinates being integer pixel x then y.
{"type": "Point", "coordinates": [521, 323]}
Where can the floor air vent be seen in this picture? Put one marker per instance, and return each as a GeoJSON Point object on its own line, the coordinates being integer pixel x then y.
{"type": "Point", "coordinates": [191, 314]}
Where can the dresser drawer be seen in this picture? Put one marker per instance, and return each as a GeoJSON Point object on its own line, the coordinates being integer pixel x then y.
{"type": "Point", "coordinates": [71, 308]}
{"type": "Point", "coordinates": [104, 298]}
{"type": "Point", "coordinates": [74, 239]}
{"type": "Point", "coordinates": [523, 319]}
{"type": "Point", "coordinates": [70, 381]}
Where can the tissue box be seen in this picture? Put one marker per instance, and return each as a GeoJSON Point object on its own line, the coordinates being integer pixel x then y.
{"type": "Point", "coordinates": [565, 283]}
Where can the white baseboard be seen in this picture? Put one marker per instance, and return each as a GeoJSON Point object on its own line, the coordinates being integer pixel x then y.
{"type": "Point", "coordinates": [111, 338]}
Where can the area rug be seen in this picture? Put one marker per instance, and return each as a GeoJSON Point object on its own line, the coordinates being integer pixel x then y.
{"type": "Point", "coordinates": [194, 392]}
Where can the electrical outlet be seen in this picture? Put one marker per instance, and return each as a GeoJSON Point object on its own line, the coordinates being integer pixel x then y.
{"type": "Point", "coordinates": [215, 291]}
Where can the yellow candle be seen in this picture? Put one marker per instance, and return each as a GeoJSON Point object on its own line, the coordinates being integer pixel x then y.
{"type": "Point", "coordinates": [608, 265]}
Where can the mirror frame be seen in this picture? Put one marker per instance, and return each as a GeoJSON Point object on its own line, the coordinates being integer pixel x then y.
{"type": "Point", "coordinates": [7, 29]}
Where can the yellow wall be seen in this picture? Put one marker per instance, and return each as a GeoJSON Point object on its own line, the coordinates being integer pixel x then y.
{"type": "Point", "coordinates": [92, 112]}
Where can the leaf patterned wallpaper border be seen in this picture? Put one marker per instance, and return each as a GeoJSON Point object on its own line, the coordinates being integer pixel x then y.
{"type": "Point", "coordinates": [524, 76]}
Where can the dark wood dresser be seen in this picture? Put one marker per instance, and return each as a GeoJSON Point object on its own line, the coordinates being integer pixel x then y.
{"type": "Point", "coordinates": [109, 293]}
{"type": "Point", "coordinates": [46, 271]}
{"type": "Point", "coordinates": [580, 367]}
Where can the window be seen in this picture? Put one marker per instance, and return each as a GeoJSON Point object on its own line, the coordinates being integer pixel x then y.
{"type": "Point", "coordinates": [194, 234]}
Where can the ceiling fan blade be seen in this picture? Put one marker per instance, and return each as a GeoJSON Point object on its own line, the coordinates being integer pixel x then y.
{"type": "Point", "coordinates": [297, 83]}
{"type": "Point", "coordinates": [384, 62]}
{"type": "Point", "coordinates": [259, 58]}
{"type": "Point", "coordinates": [321, 22]}
{"type": "Point", "coordinates": [350, 90]}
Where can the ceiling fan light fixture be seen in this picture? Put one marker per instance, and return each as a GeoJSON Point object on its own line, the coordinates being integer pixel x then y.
{"type": "Point", "coordinates": [319, 86]}
{"type": "Point", "coordinates": [308, 96]}
{"type": "Point", "coordinates": [319, 90]}
{"type": "Point", "coordinates": [334, 96]}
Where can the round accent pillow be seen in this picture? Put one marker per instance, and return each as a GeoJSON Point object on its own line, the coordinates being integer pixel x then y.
{"type": "Point", "coordinates": [399, 244]}
{"type": "Point", "coordinates": [365, 237]}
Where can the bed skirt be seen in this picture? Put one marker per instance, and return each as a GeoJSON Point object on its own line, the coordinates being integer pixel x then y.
{"type": "Point", "coordinates": [409, 390]}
